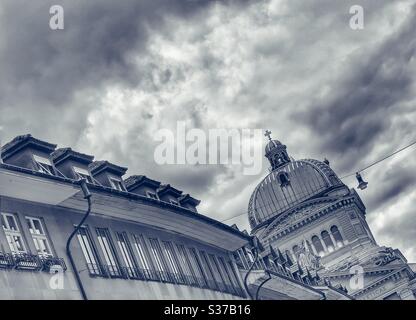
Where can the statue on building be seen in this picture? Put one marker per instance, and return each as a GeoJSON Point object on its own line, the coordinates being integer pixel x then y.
{"type": "Point", "coordinates": [307, 259]}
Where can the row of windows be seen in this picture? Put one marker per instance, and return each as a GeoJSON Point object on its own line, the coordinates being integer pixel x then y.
{"type": "Point", "coordinates": [326, 243]}
{"type": "Point", "coordinates": [146, 259]}
{"type": "Point", "coordinates": [154, 196]}
{"type": "Point", "coordinates": [15, 239]}
{"type": "Point", "coordinates": [45, 166]}
{"type": "Point", "coordinates": [152, 259]}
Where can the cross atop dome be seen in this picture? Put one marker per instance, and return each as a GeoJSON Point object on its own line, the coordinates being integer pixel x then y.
{"type": "Point", "coordinates": [267, 134]}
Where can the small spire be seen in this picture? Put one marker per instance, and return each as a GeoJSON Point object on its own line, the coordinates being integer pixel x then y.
{"type": "Point", "coordinates": [288, 260]}
{"type": "Point", "coordinates": [281, 258]}
{"type": "Point", "coordinates": [267, 134]}
{"type": "Point", "coordinates": [273, 253]}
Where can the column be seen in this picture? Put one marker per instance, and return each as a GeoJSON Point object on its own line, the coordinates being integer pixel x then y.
{"type": "Point", "coordinates": [333, 240]}
{"type": "Point", "coordinates": [314, 249]}
{"type": "Point", "coordinates": [323, 243]}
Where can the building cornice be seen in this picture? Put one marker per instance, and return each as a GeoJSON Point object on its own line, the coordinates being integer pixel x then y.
{"type": "Point", "coordinates": [99, 166]}
{"type": "Point", "coordinates": [396, 276]}
{"type": "Point", "coordinates": [62, 154]}
{"type": "Point", "coordinates": [24, 141]}
{"type": "Point", "coordinates": [306, 218]}
{"type": "Point", "coordinates": [168, 189]}
{"type": "Point", "coordinates": [186, 198]}
{"type": "Point", "coordinates": [136, 181]}
{"type": "Point", "coordinates": [130, 196]}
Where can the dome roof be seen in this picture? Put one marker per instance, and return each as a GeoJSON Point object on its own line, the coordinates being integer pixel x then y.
{"type": "Point", "coordinates": [288, 186]}
{"type": "Point", "coordinates": [271, 145]}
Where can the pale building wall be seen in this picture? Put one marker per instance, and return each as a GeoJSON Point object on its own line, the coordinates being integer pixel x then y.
{"type": "Point", "coordinates": [59, 222]}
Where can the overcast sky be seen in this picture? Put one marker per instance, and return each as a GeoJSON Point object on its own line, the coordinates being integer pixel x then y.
{"type": "Point", "coordinates": [121, 70]}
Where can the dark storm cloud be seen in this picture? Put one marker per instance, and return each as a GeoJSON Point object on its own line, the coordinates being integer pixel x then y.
{"type": "Point", "coordinates": [359, 107]}
{"type": "Point", "coordinates": [42, 71]}
{"type": "Point", "coordinates": [396, 181]}
{"type": "Point", "coordinates": [93, 48]}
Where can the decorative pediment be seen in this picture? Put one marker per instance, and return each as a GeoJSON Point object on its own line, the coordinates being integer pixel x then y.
{"type": "Point", "coordinates": [344, 265]}
{"type": "Point", "coordinates": [383, 257]}
{"type": "Point", "coordinates": [376, 257]}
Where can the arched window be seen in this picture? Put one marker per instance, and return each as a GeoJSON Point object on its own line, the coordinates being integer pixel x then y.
{"type": "Point", "coordinates": [276, 160]}
{"type": "Point", "coordinates": [284, 179]}
{"type": "Point", "coordinates": [327, 240]}
{"type": "Point", "coordinates": [337, 236]}
{"type": "Point", "coordinates": [318, 245]}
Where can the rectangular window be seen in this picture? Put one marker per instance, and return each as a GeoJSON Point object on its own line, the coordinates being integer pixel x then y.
{"type": "Point", "coordinates": [12, 232]}
{"type": "Point", "coordinates": [83, 174]}
{"type": "Point", "coordinates": [89, 251]}
{"type": "Point", "coordinates": [143, 254]}
{"type": "Point", "coordinates": [241, 259]}
{"type": "Point", "coordinates": [234, 278]}
{"type": "Point", "coordinates": [176, 203]}
{"type": "Point", "coordinates": [158, 259]}
{"type": "Point", "coordinates": [197, 266]}
{"type": "Point", "coordinates": [208, 271]}
{"type": "Point", "coordinates": [112, 265]}
{"type": "Point", "coordinates": [173, 262]}
{"type": "Point", "coordinates": [218, 276]}
{"type": "Point", "coordinates": [117, 184]}
{"type": "Point", "coordinates": [44, 165]}
{"type": "Point", "coordinates": [226, 275]}
{"type": "Point", "coordinates": [186, 265]}
{"type": "Point", "coordinates": [127, 254]}
{"type": "Point", "coordinates": [152, 195]}
{"type": "Point", "coordinates": [40, 239]}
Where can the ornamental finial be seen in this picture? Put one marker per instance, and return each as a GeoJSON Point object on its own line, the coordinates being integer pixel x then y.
{"type": "Point", "coordinates": [267, 134]}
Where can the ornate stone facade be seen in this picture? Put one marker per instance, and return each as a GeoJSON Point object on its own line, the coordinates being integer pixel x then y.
{"type": "Point", "coordinates": [311, 216]}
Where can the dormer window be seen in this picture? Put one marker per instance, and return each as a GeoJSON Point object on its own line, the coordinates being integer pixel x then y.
{"type": "Point", "coordinates": [117, 184]}
{"type": "Point", "coordinates": [284, 179]}
{"type": "Point", "coordinates": [44, 165]}
{"type": "Point", "coordinates": [83, 174]}
{"type": "Point", "coordinates": [152, 195]}
{"type": "Point", "coordinates": [176, 203]}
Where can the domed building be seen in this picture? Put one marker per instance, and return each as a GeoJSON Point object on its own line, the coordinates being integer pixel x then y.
{"type": "Point", "coordinates": [302, 210]}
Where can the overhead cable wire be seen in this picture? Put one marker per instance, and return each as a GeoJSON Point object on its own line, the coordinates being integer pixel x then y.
{"type": "Point", "coordinates": [346, 176]}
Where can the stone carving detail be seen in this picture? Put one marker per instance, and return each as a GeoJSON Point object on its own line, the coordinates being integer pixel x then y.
{"type": "Point", "coordinates": [378, 259]}
{"type": "Point", "coordinates": [307, 259]}
{"type": "Point", "coordinates": [345, 264]}
{"type": "Point", "coordinates": [296, 216]}
{"type": "Point", "coordinates": [382, 258]}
